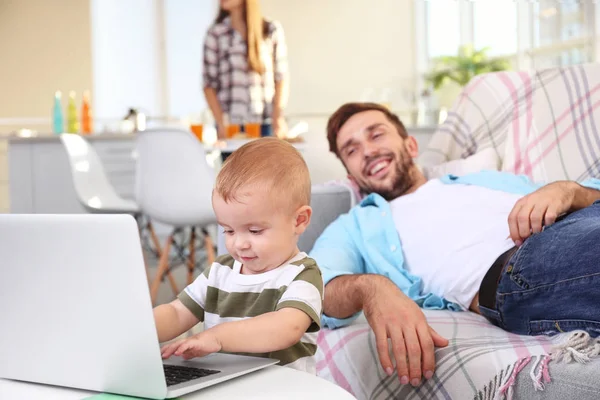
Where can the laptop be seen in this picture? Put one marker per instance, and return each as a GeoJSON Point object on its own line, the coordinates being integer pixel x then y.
{"type": "Point", "coordinates": [76, 312]}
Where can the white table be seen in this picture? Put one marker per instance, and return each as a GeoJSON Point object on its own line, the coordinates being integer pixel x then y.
{"type": "Point", "coordinates": [270, 383]}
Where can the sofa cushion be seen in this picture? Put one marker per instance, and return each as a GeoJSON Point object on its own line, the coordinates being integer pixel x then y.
{"type": "Point", "coordinates": [327, 202]}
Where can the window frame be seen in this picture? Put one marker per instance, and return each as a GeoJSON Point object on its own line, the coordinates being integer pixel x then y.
{"type": "Point", "coordinates": [524, 58]}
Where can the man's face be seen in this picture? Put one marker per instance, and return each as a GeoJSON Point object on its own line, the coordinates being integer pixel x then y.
{"type": "Point", "coordinates": [377, 158]}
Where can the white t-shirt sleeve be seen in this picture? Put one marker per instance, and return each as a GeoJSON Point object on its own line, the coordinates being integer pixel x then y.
{"type": "Point", "coordinates": [305, 293]}
{"type": "Point", "coordinates": [194, 295]}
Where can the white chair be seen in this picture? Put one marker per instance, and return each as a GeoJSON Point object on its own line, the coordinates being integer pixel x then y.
{"type": "Point", "coordinates": [94, 190]}
{"type": "Point", "coordinates": [174, 186]}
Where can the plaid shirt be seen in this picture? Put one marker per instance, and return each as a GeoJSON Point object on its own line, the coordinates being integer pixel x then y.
{"type": "Point", "coordinates": [245, 95]}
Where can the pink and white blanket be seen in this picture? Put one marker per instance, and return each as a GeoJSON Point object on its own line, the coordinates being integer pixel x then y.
{"type": "Point", "coordinates": [481, 361]}
{"type": "Point", "coordinates": [543, 124]}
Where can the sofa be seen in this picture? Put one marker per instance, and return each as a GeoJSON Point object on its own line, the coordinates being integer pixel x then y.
{"type": "Point", "coordinates": [541, 124]}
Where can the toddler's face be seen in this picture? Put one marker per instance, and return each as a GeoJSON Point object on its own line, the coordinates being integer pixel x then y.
{"type": "Point", "coordinates": [257, 234]}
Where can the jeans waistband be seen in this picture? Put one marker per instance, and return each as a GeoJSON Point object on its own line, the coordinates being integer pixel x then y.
{"type": "Point", "coordinates": [489, 284]}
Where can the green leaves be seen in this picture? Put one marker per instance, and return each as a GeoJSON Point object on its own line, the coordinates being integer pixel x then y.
{"type": "Point", "coordinates": [464, 66]}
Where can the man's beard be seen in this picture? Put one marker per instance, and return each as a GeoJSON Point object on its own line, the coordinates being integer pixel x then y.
{"type": "Point", "coordinates": [402, 182]}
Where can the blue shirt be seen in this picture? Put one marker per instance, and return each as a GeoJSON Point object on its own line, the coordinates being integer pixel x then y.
{"type": "Point", "coordinates": [365, 241]}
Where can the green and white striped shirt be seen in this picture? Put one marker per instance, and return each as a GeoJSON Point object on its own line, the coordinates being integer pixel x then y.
{"type": "Point", "coordinates": [221, 294]}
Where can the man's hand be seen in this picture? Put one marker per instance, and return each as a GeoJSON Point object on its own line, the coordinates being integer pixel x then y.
{"type": "Point", "coordinates": [198, 345]}
{"type": "Point", "coordinates": [391, 314]}
{"type": "Point", "coordinates": [541, 208]}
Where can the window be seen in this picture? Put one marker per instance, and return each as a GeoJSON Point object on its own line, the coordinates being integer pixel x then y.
{"type": "Point", "coordinates": [562, 33]}
{"type": "Point", "coordinates": [495, 26]}
{"type": "Point", "coordinates": [534, 34]}
{"type": "Point", "coordinates": [443, 29]}
{"type": "Point", "coordinates": [554, 22]}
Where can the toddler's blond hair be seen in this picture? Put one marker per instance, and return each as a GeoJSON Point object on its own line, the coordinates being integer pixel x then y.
{"type": "Point", "coordinates": [268, 164]}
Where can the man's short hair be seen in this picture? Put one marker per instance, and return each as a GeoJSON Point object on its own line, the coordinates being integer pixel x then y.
{"type": "Point", "coordinates": [268, 164]}
{"type": "Point", "coordinates": [346, 111]}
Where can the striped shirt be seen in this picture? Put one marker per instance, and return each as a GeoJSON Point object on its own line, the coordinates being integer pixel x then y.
{"type": "Point", "coordinates": [245, 95]}
{"type": "Point", "coordinates": [221, 294]}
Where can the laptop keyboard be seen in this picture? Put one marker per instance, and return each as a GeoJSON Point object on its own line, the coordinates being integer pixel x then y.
{"type": "Point", "coordinates": [176, 374]}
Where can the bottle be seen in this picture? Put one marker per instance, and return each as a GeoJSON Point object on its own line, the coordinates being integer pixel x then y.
{"type": "Point", "coordinates": [140, 121]}
{"type": "Point", "coordinates": [209, 128]}
{"type": "Point", "coordinates": [134, 121]}
{"type": "Point", "coordinates": [72, 122]}
{"type": "Point", "coordinates": [57, 114]}
{"type": "Point", "coordinates": [86, 114]}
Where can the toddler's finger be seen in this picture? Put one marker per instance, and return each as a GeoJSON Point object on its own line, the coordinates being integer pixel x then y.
{"type": "Point", "coordinates": [182, 348]}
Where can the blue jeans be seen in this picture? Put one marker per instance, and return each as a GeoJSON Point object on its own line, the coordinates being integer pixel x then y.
{"type": "Point", "coordinates": [551, 284]}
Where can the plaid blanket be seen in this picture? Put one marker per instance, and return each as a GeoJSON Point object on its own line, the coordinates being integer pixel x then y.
{"type": "Point", "coordinates": [541, 123]}
{"type": "Point", "coordinates": [480, 362]}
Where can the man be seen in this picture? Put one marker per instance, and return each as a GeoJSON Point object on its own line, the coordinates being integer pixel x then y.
{"type": "Point", "coordinates": [526, 257]}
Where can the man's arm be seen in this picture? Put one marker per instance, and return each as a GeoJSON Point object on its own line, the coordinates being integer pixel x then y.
{"type": "Point", "coordinates": [542, 207]}
{"type": "Point", "coordinates": [391, 314]}
{"type": "Point", "coordinates": [584, 196]}
{"type": "Point", "coordinates": [344, 295]}
{"type": "Point", "coordinates": [265, 333]}
{"type": "Point", "coordinates": [337, 255]}
{"type": "Point", "coordinates": [172, 320]}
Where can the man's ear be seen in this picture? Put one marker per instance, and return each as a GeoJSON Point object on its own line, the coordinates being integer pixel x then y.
{"type": "Point", "coordinates": [302, 219]}
{"type": "Point", "coordinates": [412, 146]}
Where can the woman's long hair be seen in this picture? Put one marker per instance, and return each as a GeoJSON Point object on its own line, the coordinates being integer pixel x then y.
{"type": "Point", "coordinates": [256, 29]}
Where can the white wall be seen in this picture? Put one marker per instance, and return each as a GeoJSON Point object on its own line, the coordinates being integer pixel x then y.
{"type": "Point", "coordinates": [126, 58]}
{"type": "Point", "coordinates": [186, 22]}
{"type": "Point", "coordinates": [339, 48]}
{"type": "Point", "coordinates": [44, 47]}
{"type": "Point", "coordinates": [151, 53]}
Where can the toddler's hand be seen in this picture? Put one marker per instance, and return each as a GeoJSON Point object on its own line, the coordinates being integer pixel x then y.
{"type": "Point", "coordinates": [198, 345]}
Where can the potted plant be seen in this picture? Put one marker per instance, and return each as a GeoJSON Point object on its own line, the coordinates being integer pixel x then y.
{"type": "Point", "coordinates": [451, 73]}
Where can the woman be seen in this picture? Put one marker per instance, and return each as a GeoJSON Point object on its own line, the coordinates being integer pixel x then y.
{"type": "Point", "coordinates": [245, 68]}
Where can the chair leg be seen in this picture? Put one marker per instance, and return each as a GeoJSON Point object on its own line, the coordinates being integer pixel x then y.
{"type": "Point", "coordinates": [170, 276]}
{"type": "Point", "coordinates": [139, 218]}
{"type": "Point", "coordinates": [146, 266]}
{"type": "Point", "coordinates": [173, 283]}
{"type": "Point", "coordinates": [210, 248]}
{"type": "Point", "coordinates": [163, 268]}
{"type": "Point", "coordinates": [154, 239]}
{"type": "Point", "coordinates": [192, 257]}
{"type": "Point", "coordinates": [157, 247]}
